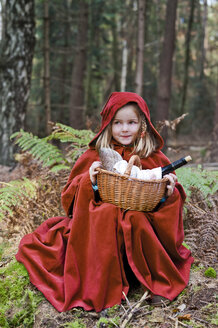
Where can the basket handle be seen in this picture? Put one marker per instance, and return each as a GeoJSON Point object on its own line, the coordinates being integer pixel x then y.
{"type": "Point", "coordinates": [134, 160]}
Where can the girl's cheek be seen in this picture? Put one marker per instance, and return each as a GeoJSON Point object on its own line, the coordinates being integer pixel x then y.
{"type": "Point", "coordinates": [115, 129]}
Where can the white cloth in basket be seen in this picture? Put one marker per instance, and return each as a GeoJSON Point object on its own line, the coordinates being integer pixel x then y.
{"type": "Point", "coordinates": [156, 173]}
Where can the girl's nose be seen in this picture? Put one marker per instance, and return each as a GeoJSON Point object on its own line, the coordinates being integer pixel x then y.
{"type": "Point", "coordinates": [125, 127]}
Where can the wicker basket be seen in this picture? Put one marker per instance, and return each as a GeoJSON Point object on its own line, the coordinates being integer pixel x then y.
{"type": "Point", "coordinates": [130, 193]}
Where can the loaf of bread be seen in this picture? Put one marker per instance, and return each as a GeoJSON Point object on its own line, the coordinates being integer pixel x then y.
{"type": "Point", "coordinates": [109, 158]}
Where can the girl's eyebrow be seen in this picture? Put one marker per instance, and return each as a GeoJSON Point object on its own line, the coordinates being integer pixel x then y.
{"type": "Point", "coordinates": [131, 119]}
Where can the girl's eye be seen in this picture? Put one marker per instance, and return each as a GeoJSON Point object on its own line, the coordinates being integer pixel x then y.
{"type": "Point", "coordinates": [130, 122]}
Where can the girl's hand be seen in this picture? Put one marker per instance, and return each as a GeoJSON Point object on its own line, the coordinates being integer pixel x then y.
{"type": "Point", "coordinates": [170, 187]}
{"type": "Point", "coordinates": [93, 172]}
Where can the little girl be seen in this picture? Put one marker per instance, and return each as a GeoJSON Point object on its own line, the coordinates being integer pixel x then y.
{"type": "Point", "coordinates": [89, 258]}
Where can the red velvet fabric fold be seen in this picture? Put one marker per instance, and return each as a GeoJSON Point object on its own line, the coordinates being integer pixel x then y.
{"type": "Point", "coordinates": [79, 261]}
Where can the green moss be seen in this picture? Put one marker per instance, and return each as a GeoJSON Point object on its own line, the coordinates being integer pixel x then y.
{"type": "Point", "coordinates": [183, 293]}
{"type": "Point", "coordinates": [113, 310]}
{"type": "Point", "coordinates": [77, 313]}
{"type": "Point", "coordinates": [208, 307]}
{"type": "Point", "coordinates": [197, 288]}
{"type": "Point", "coordinates": [214, 321]}
{"type": "Point", "coordinates": [107, 323]}
{"type": "Point", "coordinates": [3, 321]}
{"type": "Point", "coordinates": [3, 249]}
{"type": "Point", "coordinates": [75, 324]}
{"type": "Point", "coordinates": [210, 273]}
{"type": "Point", "coordinates": [194, 324]}
{"type": "Point", "coordinates": [18, 302]}
{"type": "Point", "coordinates": [197, 268]}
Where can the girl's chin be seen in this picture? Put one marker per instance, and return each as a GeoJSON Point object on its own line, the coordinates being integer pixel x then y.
{"type": "Point", "coordinates": [126, 142]}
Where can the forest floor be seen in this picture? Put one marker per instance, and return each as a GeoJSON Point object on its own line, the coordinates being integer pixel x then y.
{"type": "Point", "coordinates": [195, 307]}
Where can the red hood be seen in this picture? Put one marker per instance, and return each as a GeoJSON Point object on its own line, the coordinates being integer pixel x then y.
{"type": "Point", "coordinates": [117, 100]}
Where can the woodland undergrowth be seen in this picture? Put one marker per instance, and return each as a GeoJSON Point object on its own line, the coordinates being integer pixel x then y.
{"type": "Point", "coordinates": [27, 202]}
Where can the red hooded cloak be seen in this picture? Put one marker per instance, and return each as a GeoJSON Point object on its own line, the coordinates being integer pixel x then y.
{"type": "Point", "coordinates": [79, 261]}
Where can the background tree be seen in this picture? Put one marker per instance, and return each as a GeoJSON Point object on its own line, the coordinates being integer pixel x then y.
{"type": "Point", "coordinates": [214, 138]}
{"type": "Point", "coordinates": [128, 48]}
{"type": "Point", "coordinates": [187, 56]}
{"type": "Point", "coordinates": [46, 79]}
{"type": "Point", "coordinates": [115, 50]}
{"type": "Point", "coordinates": [140, 47]}
{"type": "Point", "coordinates": [16, 53]}
{"type": "Point", "coordinates": [166, 64]}
{"type": "Point", "coordinates": [203, 39]}
{"type": "Point", "coordinates": [77, 98]}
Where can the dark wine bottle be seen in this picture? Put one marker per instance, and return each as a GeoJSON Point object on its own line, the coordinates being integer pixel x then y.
{"type": "Point", "coordinates": [175, 165]}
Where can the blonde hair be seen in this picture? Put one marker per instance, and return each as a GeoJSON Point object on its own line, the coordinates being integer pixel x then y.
{"type": "Point", "coordinates": [143, 146]}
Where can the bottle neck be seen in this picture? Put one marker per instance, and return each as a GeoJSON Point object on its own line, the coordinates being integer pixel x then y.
{"type": "Point", "coordinates": [175, 165]}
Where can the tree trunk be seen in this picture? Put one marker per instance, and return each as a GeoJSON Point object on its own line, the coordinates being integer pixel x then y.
{"type": "Point", "coordinates": [166, 63]}
{"type": "Point", "coordinates": [140, 48]}
{"type": "Point", "coordinates": [203, 41]}
{"type": "Point", "coordinates": [2, 19]}
{"type": "Point", "coordinates": [77, 90]}
{"type": "Point", "coordinates": [16, 53]}
{"type": "Point", "coordinates": [89, 74]}
{"type": "Point", "coordinates": [158, 31]}
{"type": "Point", "coordinates": [128, 35]}
{"type": "Point", "coordinates": [214, 142]}
{"type": "Point", "coordinates": [124, 66]}
{"type": "Point", "coordinates": [47, 92]}
{"type": "Point", "coordinates": [187, 57]}
{"type": "Point", "coordinates": [64, 64]}
{"type": "Point", "coordinates": [115, 52]}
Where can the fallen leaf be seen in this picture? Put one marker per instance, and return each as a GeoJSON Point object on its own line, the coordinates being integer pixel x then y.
{"type": "Point", "coordinates": [185, 317]}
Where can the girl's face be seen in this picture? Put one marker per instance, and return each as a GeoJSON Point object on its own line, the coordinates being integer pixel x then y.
{"type": "Point", "coordinates": [126, 125]}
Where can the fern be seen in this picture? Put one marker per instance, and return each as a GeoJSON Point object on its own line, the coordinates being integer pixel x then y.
{"type": "Point", "coordinates": [40, 149]}
{"type": "Point", "coordinates": [50, 155]}
{"type": "Point", "coordinates": [66, 133]}
{"type": "Point", "coordinates": [205, 181]}
{"type": "Point", "coordinates": [13, 193]}
{"type": "Point", "coordinates": [78, 139]}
